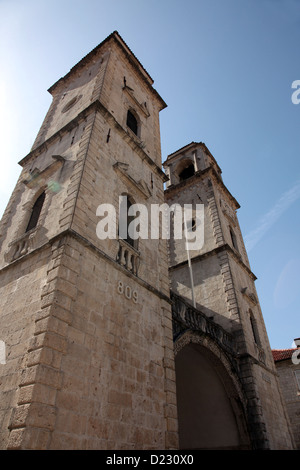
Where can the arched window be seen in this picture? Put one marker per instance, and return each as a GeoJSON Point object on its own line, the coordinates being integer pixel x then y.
{"type": "Point", "coordinates": [187, 172]}
{"type": "Point", "coordinates": [125, 220]}
{"type": "Point", "coordinates": [132, 122]}
{"type": "Point", "coordinates": [35, 213]}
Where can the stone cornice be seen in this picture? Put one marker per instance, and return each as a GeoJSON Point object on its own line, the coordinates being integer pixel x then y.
{"type": "Point", "coordinates": [140, 185]}
{"type": "Point", "coordinates": [57, 135]}
{"type": "Point", "coordinates": [224, 247]}
{"type": "Point", "coordinates": [188, 148]}
{"type": "Point", "coordinates": [75, 235]}
{"type": "Point", "coordinates": [96, 106]}
{"type": "Point", "coordinates": [209, 171]}
{"type": "Point", "coordinates": [36, 176]}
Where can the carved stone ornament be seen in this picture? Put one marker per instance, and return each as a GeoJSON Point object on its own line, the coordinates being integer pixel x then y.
{"type": "Point", "coordinates": [140, 185]}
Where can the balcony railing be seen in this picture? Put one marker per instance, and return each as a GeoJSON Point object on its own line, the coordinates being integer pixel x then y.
{"type": "Point", "coordinates": [186, 317]}
{"type": "Point", "coordinates": [20, 246]}
{"type": "Point", "coordinates": [128, 257]}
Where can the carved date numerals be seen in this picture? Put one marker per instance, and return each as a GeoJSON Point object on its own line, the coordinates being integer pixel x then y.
{"type": "Point", "coordinates": [128, 292]}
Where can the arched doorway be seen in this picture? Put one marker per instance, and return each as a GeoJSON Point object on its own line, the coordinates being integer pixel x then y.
{"type": "Point", "coordinates": [209, 413]}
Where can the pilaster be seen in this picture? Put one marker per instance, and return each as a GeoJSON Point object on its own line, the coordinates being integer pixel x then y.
{"type": "Point", "coordinates": [34, 417]}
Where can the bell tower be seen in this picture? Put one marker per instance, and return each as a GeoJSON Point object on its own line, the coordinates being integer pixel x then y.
{"type": "Point", "coordinates": [196, 178]}
{"type": "Point", "coordinates": [215, 277]}
{"type": "Point", "coordinates": [86, 320]}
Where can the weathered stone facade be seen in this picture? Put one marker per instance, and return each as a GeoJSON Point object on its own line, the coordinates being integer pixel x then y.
{"type": "Point", "coordinates": [89, 343]}
{"type": "Point", "coordinates": [287, 362]}
{"type": "Point", "coordinates": [89, 324]}
{"type": "Point", "coordinates": [225, 296]}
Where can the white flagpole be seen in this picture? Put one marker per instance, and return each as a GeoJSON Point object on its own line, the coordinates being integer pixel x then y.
{"type": "Point", "coordinates": [189, 260]}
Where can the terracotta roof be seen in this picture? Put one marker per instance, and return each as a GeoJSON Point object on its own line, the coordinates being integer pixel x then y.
{"type": "Point", "coordinates": [281, 354]}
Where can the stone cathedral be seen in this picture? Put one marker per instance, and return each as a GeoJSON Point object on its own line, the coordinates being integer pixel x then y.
{"type": "Point", "coordinates": [121, 343]}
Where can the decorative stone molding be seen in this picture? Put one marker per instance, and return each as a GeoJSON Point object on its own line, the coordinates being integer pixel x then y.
{"type": "Point", "coordinates": [21, 246]}
{"type": "Point", "coordinates": [141, 186]}
{"type": "Point", "coordinates": [38, 178]}
{"type": "Point", "coordinates": [186, 317]}
{"type": "Point", "coordinates": [71, 103]}
{"type": "Point", "coordinates": [141, 106]}
{"type": "Point", "coordinates": [249, 295]}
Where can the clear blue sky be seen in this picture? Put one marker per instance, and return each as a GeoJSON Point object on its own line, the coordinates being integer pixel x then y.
{"type": "Point", "coordinates": [225, 69]}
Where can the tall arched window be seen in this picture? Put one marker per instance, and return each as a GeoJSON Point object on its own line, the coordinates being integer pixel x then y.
{"type": "Point", "coordinates": [132, 122]}
{"type": "Point", "coordinates": [254, 328]}
{"type": "Point", "coordinates": [36, 211]}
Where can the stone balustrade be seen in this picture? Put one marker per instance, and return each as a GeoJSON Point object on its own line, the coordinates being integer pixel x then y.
{"type": "Point", "coordinates": [128, 257]}
{"type": "Point", "coordinates": [187, 317]}
{"type": "Point", "coordinates": [20, 246]}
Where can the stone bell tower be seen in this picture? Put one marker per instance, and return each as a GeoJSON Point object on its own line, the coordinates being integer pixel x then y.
{"type": "Point", "coordinates": [86, 321]}
{"type": "Point", "coordinates": [227, 311]}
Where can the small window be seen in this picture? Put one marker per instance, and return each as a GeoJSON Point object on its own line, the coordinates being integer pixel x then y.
{"type": "Point", "coordinates": [233, 239]}
{"type": "Point", "coordinates": [187, 172]}
{"type": "Point", "coordinates": [254, 328]}
{"type": "Point", "coordinates": [36, 211]}
{"type": "Point", "coordinates": [132, 122]}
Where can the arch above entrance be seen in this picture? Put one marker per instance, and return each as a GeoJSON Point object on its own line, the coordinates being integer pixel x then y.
{"type": "Point", "coordinates": [209, 399]}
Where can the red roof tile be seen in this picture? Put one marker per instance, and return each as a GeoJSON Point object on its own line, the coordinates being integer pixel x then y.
{"type": "Point", "coordinates": [281, 354]}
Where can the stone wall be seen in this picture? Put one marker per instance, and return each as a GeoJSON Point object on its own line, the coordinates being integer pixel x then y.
{"type": "Point", "coordinates": [95, 370]}
{"type": "Point", "coordinates": [20, 297]}
{"type": "Point", "coordinates": [291, 392]}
